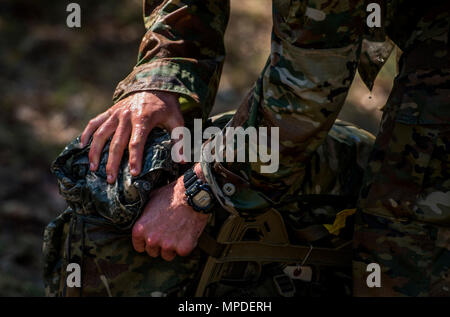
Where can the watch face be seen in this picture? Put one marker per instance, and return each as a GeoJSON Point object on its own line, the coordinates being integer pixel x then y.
{"type": "Point", "coordinates": [202, 199]}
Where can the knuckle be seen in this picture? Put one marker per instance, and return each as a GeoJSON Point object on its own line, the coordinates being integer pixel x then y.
{"type": "Point", "coordinates": [115, 111]}
{"type": "Point", "coordinates": [137, 230]}
{"type": "Point", "coordinates": [92, 154]}
{"type": "Point", "coordinates": [125, 113]}
{"type": "Point", "coordinates": [167, 246]}
{"type": "Point", "coordinates": [142, 121]}
{"type": "Point", "coordinates": [110, 168]}
{"type": "Point", "coordinates": [112, 121]}
{"type": "Point", "coordinates": [145, 119]}
{"type": "Point", "coordinates": [134, 145]}
{"type": "Point", "coordinates": [152, 242]}
{"type": "Point", "coordinates": [105, 129]}
{"type": "Point", "coordinates": [115, 147]}
{"type": "Point", "coordinates": [184, 250]}
{"type": "Point", "coordinates": [99, 133]}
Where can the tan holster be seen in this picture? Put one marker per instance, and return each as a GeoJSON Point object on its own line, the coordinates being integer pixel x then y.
{"type": "Point", "coordinates": [233, 244]}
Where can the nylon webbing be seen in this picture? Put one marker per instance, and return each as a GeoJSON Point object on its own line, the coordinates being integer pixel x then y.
{"type": "Point", "coordinates": [264, 252]}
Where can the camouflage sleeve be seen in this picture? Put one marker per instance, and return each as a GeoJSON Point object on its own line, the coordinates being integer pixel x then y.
{"type": "Point", "coordinates": [315, 47]}
{"type": "Point", "coordinates": [182, 52]}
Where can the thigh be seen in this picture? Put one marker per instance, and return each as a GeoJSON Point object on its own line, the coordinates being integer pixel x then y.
{"type": "Point", "coordinates": [404, 209]}
{"type": "Point", "coordinates": [403, 222]}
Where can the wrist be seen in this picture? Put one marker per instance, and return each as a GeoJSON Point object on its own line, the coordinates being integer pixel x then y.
{"type": "Point", "coordinates": [198, 192]}
{"type": "Point", "coordinates": [162, 94]}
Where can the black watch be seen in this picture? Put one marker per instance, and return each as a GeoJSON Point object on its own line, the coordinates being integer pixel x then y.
{"type": "Point", "coordinates": [199, 194]}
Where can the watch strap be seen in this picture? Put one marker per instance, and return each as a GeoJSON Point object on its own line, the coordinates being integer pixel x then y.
{"type": "Point", "coordinates": [189, 178]}
{"type": "Point", "coordinates": [194, 185]}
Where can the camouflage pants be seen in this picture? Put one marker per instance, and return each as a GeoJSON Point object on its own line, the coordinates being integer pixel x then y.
{"type": "Point", "coordinates": [404, 216]}
{"type": "Point", "coordinates": [403, 223]}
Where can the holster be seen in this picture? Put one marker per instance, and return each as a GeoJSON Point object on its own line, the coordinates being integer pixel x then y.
{"type": "Point", "coordinates": [261, 239]}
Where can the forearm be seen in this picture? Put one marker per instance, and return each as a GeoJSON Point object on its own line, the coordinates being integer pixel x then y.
{"type": "Point", "coordinates": [300, 93]}
{"type": "Point", "coordinates": [182, 52]}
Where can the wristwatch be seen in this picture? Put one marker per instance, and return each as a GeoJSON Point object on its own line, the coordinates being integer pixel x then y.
{"type": "Point", "coordinates": [199, 194]}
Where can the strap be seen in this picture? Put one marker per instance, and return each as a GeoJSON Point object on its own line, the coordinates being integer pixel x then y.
{"type": "Point", "coordinates": [210, 245]}
{"type": "Point", "coordinates": [265, 252]}
{"type": "Point", "coordinates": [189, 178]}
{"type": "Point", "coordinates": [318, 200]}
{"type": "Point", "coordinates": [311, 233]}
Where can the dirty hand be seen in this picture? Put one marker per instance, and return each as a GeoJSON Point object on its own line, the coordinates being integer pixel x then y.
{"type": "Point", "coordinates": [130, 121]}
{"type": "Point", "coordinates": [168, 225]}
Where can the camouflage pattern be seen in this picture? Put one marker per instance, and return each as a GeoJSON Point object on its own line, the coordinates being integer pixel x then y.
{"type": "Point", "coordinates": [402, 220]}
{"type": "Point", "coordinates": [92, 235]}
{"type": "Point", "coordinates": [404, 215]}
{"type": "Point", "coordinates": [301, 90]}
{"type": "Point", "coordinates": [109, 264]}
{"type": "Point", "coordinates": [121, 203]}
{"type": "Point", "coordinates": [315, 49]}
{"type": "Point", "coordinates": [100, 216]}
{"type": "Point", "coordinates": [182, 51]}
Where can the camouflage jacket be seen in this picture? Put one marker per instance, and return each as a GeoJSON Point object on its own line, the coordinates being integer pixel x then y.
{"type": "Point", "coordinates": [316, 48]}
{"type": "Point", "coordinates": [95, 229]}
{"type": "Point", "coordinates": [315, 52]}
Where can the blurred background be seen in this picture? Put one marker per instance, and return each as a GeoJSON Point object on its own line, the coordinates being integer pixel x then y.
{"type": "Point", "coordinates": [53, 79]}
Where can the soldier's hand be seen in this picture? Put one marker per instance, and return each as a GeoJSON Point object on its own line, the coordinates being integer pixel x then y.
{"type": "Point", "coordinates": [168, 226]}
{"type": "Point", "coordinates": [129, 122]}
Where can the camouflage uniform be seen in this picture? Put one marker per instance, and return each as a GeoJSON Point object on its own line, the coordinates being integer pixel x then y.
{"type": "Point", "coordinates": [95, 230]}
{"type": "Point", "coordinates": [405, 201]}
{"type": "Point", "coordinates": [316, 49]}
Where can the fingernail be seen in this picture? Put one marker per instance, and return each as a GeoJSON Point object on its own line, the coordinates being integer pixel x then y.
{"type": "Point", "coordinates": [109, 178]}
{"type": "Point", "coordinates": [134, 171]}
{"type": "Point", "coordinates": [92, 166]}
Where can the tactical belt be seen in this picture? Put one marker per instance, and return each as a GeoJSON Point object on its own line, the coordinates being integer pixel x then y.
{"type": "Point", "coordinates": [273, 245]}
{"type": "Point", "coordinates": [265, 252]}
